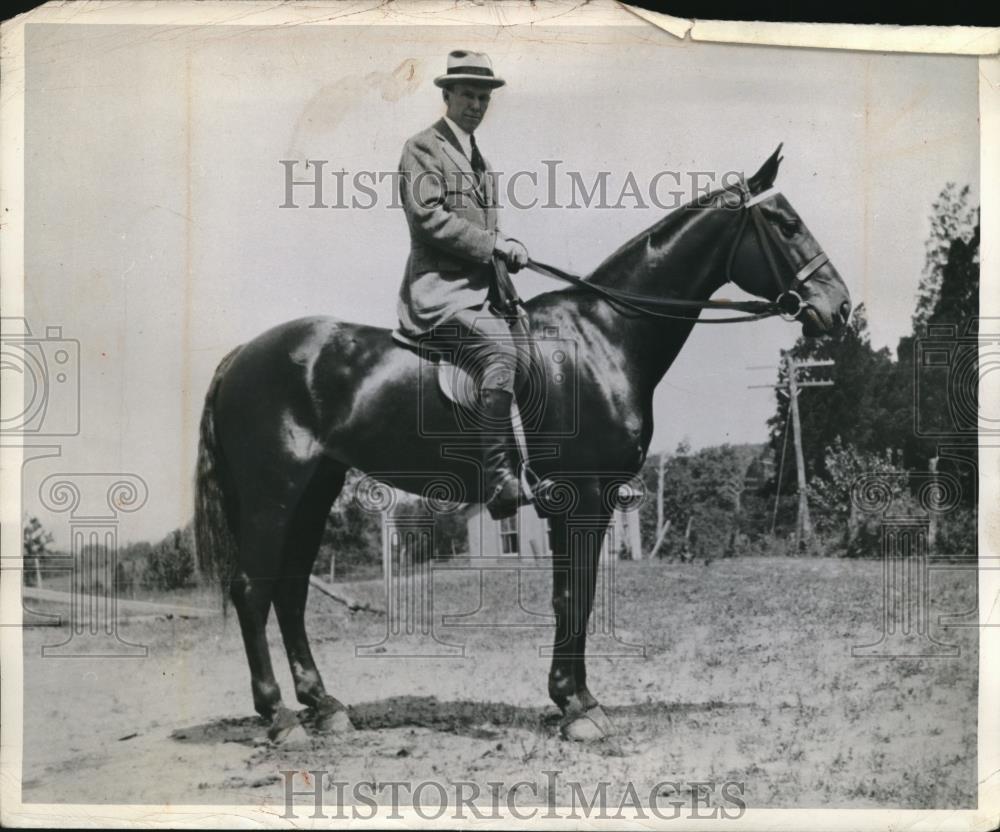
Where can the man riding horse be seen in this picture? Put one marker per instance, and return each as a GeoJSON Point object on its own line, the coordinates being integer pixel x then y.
{"type": "Point", "coordinates": [288, 413]}
{"type": "Point", "coordinates": [448, 196]}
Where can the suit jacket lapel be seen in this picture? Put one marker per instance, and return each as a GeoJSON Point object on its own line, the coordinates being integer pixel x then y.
{"type": "Point", "coordinates": [450, 143]}
{"type": "Point", "coordinates": [454, 150]}
{"type": "Point", "coordinates": [445, 130]}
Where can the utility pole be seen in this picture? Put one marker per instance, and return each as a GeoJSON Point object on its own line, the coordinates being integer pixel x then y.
{"type": "Point", "coordinates": [804, 530]}
{"type": "Point", "coordinates": [662, 526]}
{"type": "Point", "coordinates": [932, 528]}
{"type": "Point", "coordinates": [791, 387]}
{"type": "Point", "coordinates": [659, 492]}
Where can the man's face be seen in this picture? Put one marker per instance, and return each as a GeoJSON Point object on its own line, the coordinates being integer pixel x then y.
{"type": "Point", "coordinates": [467, 104]}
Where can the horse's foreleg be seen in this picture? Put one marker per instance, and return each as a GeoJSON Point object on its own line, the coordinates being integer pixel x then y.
{"type": "Point", "coordinates": [562, 674]}
{"type": "Point", "coordinates": [576, 546]}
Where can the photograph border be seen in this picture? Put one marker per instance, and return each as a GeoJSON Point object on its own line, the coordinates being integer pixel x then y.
{"type": "Point", "coordinates": [929, 40]}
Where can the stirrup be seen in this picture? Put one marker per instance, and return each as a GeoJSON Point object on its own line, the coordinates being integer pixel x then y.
{"type": "Point", "coordinates": [533, 491]}
{"type": "Point", "coordinates": [509, 509]}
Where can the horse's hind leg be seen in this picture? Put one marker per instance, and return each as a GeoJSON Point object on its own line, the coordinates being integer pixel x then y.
{"type": "Point", "coordinates": [252, 591]}
{"type": "Point", "coordinates": [301, 547]}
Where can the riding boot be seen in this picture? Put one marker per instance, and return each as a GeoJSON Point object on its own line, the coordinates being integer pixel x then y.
{"type": "Point", "coordinates": [503, 490]}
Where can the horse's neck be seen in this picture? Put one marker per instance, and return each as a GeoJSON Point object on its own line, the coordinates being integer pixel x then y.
{"type": "Point", "coordinates": [685, 259]}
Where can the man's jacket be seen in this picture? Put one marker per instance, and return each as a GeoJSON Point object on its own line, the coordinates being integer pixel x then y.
{"type": "Point", "coordinates": [453, 227]}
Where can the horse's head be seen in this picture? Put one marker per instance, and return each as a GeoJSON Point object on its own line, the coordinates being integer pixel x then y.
{"type": "Point", "coordinates": [776, 257]}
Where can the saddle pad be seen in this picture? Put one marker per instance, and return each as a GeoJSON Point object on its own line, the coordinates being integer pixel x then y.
{"type": "Point", "coordinates": [457, 385]}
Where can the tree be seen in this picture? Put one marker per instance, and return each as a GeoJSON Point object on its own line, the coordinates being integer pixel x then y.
{"type": "Point", "coordinates": [353, 533]}
{"type": "Point", "coordinates": [831, 494]}
{"type": "Point", "coordinates": [944, 396]}
{"type": "Point", "coordinates": [699, 489]}
{"type": "Point", "coordinates": [171, 563]}
{"type": "Point", "coordinates": [856, 406]}
{"type": "Point", "coordinates": [873, 407]}
{"type": "Point", "coordinates": [953, 220]}
{"type": "Point", "coordinates": [958, 292]}
{"type": "Point", "coordinates": [451, 533]}
{"type": "Point", "coordinates": [133, 560]}
{"type": "Point", "coordinates": [35, 541]}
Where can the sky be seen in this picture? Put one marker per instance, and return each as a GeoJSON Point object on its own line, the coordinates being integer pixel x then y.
{"type": "Point", "coordinates": [155, 237]}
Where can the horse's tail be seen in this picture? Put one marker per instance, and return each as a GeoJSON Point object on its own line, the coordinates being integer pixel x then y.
{"type": "Point", "coordinates": [214, 523]}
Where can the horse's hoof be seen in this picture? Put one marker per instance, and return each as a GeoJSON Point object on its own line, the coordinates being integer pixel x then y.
{"type": "Point", "coordinates": [296, 738]}
{"type": "Point", "coordinates": [334, 722]}
{"type": "Point", "coordinates": [590, 726]}
{"type": "Point", "coordinates": [286, 730]}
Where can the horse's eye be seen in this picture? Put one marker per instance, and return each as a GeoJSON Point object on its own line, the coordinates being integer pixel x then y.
{"type": "Point", "coordinates": [790, 227]}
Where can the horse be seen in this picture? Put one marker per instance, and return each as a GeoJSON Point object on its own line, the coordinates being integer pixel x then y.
{"type": "Point", "coordinates": [288, 413]}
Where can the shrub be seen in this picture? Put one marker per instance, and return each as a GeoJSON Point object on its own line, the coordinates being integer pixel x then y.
{"type": "Point", "coordinates": [171, 563]}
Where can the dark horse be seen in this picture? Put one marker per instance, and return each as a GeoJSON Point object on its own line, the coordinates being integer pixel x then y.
{"type": "Point", "coordinates": [288, 413]}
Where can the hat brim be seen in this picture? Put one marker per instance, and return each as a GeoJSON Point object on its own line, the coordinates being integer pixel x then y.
{"type": "Point", "coordinates": [481, 80]}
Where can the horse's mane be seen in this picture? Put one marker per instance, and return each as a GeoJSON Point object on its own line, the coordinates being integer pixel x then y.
{"type": "Point", "coordinates": [657, 234]}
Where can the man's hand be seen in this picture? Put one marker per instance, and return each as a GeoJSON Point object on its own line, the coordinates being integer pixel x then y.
{"type": "Point", "coordinates": [513, 252]}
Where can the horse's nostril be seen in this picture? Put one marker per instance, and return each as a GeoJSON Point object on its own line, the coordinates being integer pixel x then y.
{"type": "Point", "coordinates": [845, 310]}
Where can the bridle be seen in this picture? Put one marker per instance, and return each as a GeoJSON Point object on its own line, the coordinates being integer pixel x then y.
{"type": "Point", "coordinates": [789, 303]}
{"type": "Point", "coordinates": [789, 294]}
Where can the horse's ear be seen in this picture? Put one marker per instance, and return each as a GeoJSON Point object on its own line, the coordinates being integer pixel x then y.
{"type": "Point", "coordinates": [764, 178]}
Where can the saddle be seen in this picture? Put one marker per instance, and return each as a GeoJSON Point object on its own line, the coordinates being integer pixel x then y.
{"type": "Point", "coordinates": [455, 383]}
{"type": "Point", "coordinates": [459, 387]}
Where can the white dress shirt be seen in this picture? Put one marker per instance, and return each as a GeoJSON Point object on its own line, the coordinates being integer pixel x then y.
{"type": "Point", "coordinates": [464, 139]}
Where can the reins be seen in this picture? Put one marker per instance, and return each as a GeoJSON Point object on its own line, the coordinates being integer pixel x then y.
{"type": "Point", "coordinates": [641, 304]}
{"type": "Point", "coordinates": [757, 309]}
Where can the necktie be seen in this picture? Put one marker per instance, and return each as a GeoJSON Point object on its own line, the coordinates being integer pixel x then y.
{"type": "Point", "coordinates": [478, 164]}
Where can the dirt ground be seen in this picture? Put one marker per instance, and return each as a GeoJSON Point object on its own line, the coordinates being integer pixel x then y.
{"type": "Point", "coordinates": [747, 677]}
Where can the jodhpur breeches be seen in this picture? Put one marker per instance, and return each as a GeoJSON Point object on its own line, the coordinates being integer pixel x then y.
{"type": "Point", "coordinates": [484, 346]}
